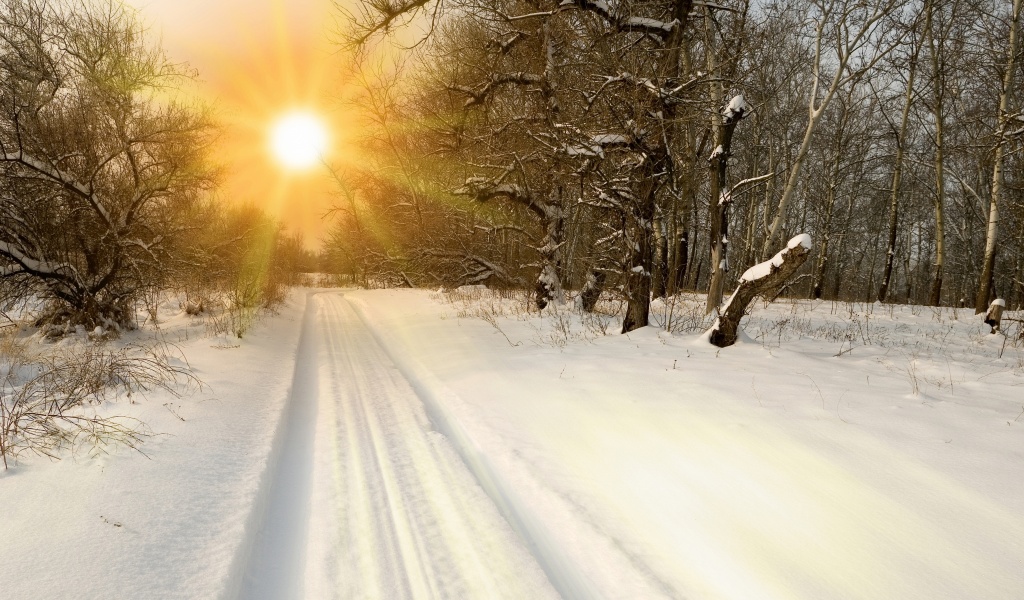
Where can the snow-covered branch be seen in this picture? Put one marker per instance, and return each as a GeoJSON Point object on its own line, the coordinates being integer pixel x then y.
{"type": "Point", "coordinates": [34, 266]}
{"type": "Point", "coordinates": [742, 186]}
{"type": "Point", "coordinates": [57, 176]}
{"type": "Point", "coordinates": [479, 93]}
{"type": "Point", "coordinates": [625, 23]}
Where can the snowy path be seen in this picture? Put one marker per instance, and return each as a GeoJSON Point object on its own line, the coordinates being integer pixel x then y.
{"type": "Point", "coordinates": [366, 444]}
{"type": "Point", "coordinates": [378, 505]}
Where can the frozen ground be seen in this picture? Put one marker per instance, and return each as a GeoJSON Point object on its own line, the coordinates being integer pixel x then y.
{"type": "Point", "coordinates": [652, 465]}
{"type": "Point", "coordinates": [393, 444]}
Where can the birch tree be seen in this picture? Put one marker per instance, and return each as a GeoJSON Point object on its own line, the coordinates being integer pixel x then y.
{"type": "Point", "coordinates": [848, 39]}
{"type": "Point", "coordinates": [936, 45]}
{"type": "Point", "coordinates": [1004, 117]}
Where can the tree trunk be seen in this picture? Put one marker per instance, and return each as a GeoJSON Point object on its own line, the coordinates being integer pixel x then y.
{"type": "Point", "coordinates": [685, 201]}
{"type": "Point", "coordinates": [682, 262]}
{"type": "Point", "coordinates": [767, 283]}
{"type": "Point", "coordinates": [549, 281]}
{"type": "Point", "coordinates": [819, 270]}
{"type": "Point", "coordinates": [638, 277]}
{"type": "Point", "coordinates": [661, 269]}
{"type": "Point", "coordinates": [935, 46]}
{"type": "Point", "coordinates": [1005, 99]}
{"type": "Point", "coordinates": [720, 201]}
{"type": "Point", "coordinates": [657, 163]}
{"type": "Point", "coordinates": [830, 202]}
{"type": "Point", "coordinates": [995, 314]}
{"type": "Point", "coordinates": [592, 289]}
{"type": "Point", "coordinates": [717, 202]}
{"type": "Point", "coordinates": [897, 178]}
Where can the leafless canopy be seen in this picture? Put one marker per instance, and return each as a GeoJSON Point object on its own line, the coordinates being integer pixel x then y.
{"type": "Point", "coordinates": [97, 157]}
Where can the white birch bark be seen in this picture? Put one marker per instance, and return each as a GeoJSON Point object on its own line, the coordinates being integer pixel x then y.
{"type": "Point", "coordinates": [996, 198]}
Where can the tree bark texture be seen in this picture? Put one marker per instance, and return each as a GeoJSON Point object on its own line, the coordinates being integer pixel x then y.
{"type": "Point", "coordinates": [721, 199]}
{"type": "Point", "coordinates": [656, 165]}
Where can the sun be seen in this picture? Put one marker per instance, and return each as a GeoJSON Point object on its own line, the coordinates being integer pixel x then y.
{"type": "Point", "coordinates": [298, 140]}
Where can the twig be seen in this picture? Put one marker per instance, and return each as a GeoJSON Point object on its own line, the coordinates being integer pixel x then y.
{"type": "Point", "coordinates": [822, 396]}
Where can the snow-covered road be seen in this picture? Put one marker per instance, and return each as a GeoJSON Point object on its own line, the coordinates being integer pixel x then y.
{"type": "Point", "coordinates": [376, 504]}
{"type": "Point", "coordinates": [387, 444]}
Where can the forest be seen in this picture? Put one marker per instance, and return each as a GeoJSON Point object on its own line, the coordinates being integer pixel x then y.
{"type": "Point", "coordinates": [569, 149]}
{"type": "Point", "coordinates": [642, 148]}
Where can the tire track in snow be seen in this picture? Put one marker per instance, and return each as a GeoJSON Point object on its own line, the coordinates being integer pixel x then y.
{"type": "Point", "coordinates": [276, 547]}
{"type": "Point", "coordinates": [548, 552]}
{"type": "Point", "coordinates": [383, 507]}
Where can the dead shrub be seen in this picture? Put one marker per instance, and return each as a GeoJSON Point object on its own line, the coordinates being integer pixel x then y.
{"type": "Point", "coordinates": [44, 397]}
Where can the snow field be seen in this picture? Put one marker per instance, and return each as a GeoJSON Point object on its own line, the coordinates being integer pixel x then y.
{"type": "Point", "coordinates": [651, 465]}
{"type": "Point", "coordinates": [395, 512]}
{"type": "Point", "coordinates": [173, 525]}
{"type": "Point", "coordinates": [404, 444]}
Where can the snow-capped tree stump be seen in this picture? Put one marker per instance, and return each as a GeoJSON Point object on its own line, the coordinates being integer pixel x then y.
{"type": "Point", "coordinates": [764, 279]}
{"type": "Point", "coordinates": [994, 315]}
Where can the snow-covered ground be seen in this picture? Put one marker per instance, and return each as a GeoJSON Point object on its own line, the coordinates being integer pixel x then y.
{"type": "Point", "coordinates": [393, 444]}
{"type": "Point", "coordinates": [173, 525]}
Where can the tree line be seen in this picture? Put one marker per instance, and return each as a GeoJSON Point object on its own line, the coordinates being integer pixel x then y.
{"type": "Point", "coordinates": [107, 196]}
{"type": "Point", "coordinates": [641, 148]}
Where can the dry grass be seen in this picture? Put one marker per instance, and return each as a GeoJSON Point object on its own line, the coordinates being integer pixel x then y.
{"type": "Point", "coordinates": [45, 395]}
{"type": "Point", "coordinates": [932, 347]}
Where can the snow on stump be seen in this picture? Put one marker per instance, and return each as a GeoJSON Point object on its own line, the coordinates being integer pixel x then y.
{"type": "Point", "coordinates": [994, 315]}
{"type": "Point", "coordinates": [765, 280]}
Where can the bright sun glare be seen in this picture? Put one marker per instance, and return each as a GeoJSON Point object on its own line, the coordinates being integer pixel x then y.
{"type": "Point", "coordinates": [298, 140]}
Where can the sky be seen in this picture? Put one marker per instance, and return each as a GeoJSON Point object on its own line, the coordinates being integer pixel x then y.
{"type": "Point", "coordinates": [257, 60]}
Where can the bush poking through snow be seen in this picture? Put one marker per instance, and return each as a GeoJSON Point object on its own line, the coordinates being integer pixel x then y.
{"type": "Point", "coordinates": [43, 399]}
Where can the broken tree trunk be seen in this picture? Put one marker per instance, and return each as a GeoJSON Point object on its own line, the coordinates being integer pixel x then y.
{"type": "Point", "coordinates": [764, 280]}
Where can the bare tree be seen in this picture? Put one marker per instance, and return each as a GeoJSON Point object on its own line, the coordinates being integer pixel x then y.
{"type": "Point", "coordinates": [720, 200]}
{"type": "Point", "coordinates": [849, 39]}
{"type": "Point", "coordinates": [936, 45]}
{"type": "Point", "coordinates": [898, 166]}
{"type": "Point", "coordinates": [586, 138]}
{"type": "Point", "coordinates": [95, 160]}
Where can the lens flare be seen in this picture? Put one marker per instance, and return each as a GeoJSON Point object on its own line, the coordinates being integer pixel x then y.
{"type": "Point", "coordinates": [298, 140]}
